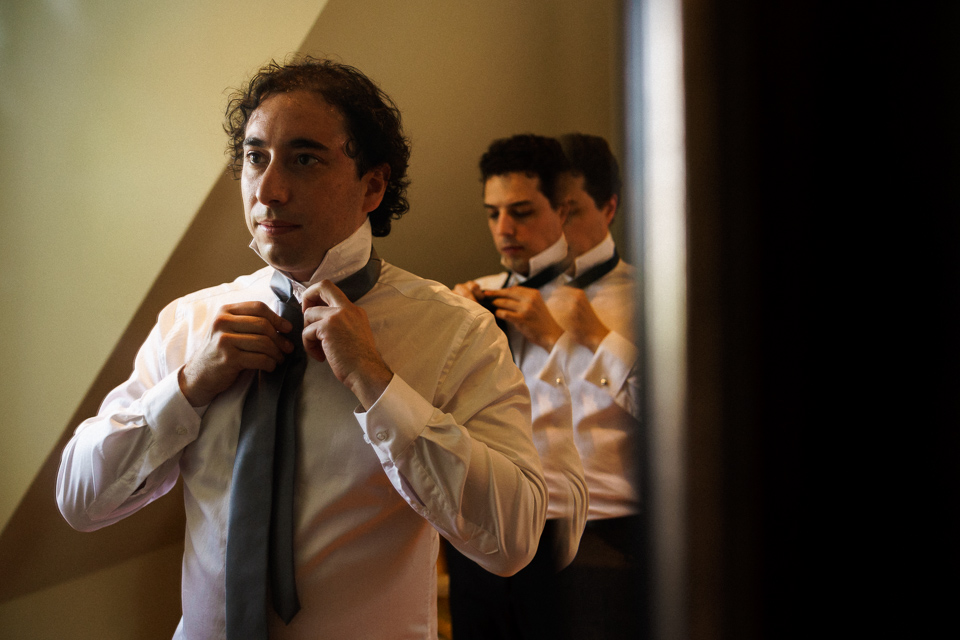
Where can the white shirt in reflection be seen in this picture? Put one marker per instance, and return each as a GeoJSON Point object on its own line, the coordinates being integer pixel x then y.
{"type": "Point", "coordinates": [552, 414]}
{"type": "Point", "coordinates": [605, 388]}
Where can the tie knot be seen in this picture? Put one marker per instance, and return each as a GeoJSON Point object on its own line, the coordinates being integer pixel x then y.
{"type": "Point", "coordinates": [290, 309]}
{"type": "Point", "coordinates": [283, 288]}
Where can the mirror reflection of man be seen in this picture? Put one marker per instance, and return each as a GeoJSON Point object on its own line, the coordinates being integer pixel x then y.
{"type": "Point", "coordinates": [600, 360]}
{"type": "Point", "coordinates": [409, 419]}
{"type": "Point", "coordinates": [521, 197]}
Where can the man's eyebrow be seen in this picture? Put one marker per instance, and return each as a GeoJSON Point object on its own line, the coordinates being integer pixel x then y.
{"type": "Point", "coordinates": [296, 143]}
{"type": "Point", "coordinates": [308, 143]}
{"type": "Point", "coordinates": [510, 205]}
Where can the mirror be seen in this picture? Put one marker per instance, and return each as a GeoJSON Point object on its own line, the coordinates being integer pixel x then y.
{"type": "Point", "coordinates": [462, 73]}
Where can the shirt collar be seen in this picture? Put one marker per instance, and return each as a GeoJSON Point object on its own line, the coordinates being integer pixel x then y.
{"type": "Point", "coordinates": [600, 253]}
{"type": "Point", "coordinates": [341, 260]}
{"type": "Point", "coordinates": [553, 254]}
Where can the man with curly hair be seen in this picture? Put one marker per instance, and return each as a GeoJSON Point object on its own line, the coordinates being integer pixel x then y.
{"type": "Point", "coordinates": [525, 212]}
{"type": "Point", "coordinates": [600, 360]}
{"type": "Point", "coordinates": [328, 414]}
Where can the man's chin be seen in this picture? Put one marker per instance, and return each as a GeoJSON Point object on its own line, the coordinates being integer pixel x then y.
{"type": "Point", "coordinates": [295, 269]}
{"type": "Point", "coordinates": [516, 265]}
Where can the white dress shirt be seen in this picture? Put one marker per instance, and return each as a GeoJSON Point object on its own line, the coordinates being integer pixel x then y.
{"type": "Point", "coordinates": [605, 388]}
{"type": "Point", "coordinates": [552, 414]}
{"type": "Point", "coordinates": [446, 448]}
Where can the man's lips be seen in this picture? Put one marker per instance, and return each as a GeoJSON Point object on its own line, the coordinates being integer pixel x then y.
{"type": "Point", "coordinates": [511, 249]}
{"type": "Point", "coordinates": [276, 227]}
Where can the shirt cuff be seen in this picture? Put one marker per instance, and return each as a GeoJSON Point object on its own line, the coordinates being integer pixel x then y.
{"type": "Point", "coordinates": [395, 420]}
{"type": "Point", "coordinates": [174, 421]}
{"type": "Point", "coordinates": [612, 363]}
{"type": "Point", "coordinates": [554, 369]}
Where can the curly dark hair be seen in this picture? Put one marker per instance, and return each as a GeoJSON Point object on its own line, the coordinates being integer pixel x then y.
{"type": "Point", "coordinates": [372, 120]}
{"type": "Point", "coordinates": [535, 156]}
{"type": "Point", "coordinates": [590, 157]}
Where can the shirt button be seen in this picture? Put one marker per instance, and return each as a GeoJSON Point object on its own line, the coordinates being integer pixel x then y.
{"type": "Point", "coordinates": [604, 382]}
{"type": "Point", "coordinates": [381, 435]}
{"type": "Point", "coordinates": [181, 430]}
{"type": "Point", "coordinates": [559, 380]}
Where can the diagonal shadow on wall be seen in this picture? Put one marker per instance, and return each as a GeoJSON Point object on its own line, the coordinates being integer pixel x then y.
{"type": "Point", "coordinates": [38, 549]}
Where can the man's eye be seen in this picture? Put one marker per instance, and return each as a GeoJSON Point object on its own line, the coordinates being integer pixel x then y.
{"type": "Point", "coordinates": [305, 160]}
{"type": "Point", "coordinates": [254, 157]}
{"type": "Point", "coordinates": [521, 213]}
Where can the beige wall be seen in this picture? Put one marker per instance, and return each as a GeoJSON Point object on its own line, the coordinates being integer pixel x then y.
{"type": "Point", "coordinates": [110, 129]}
{"type": "Point", "coordinates": [113, 207]}
{"type": "Point", "coordinates": [464, 73]}
{"type": "Point", "coordinates": [136, 600]}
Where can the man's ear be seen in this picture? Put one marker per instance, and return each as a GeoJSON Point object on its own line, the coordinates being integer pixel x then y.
{"type": "Point", "coordinates": [609, 209]}
{"type": "Point", "coordinates": [375, 181]}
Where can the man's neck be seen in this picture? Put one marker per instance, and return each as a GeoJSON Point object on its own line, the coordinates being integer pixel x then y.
{"type": "Point", "coordinates": [341, 260]}
{"type": "Point", "coordinates": [557, 252]}
{"type": "Point", "coordinates": [601, 252]}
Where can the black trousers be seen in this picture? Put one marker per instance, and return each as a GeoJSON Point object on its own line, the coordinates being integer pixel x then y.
{"type": "Point", "coordinates": [595, 598]}
{"type": "Point", "coordinates": [600, 590]}
{"type": "Point", "coordinates": [524, 606]}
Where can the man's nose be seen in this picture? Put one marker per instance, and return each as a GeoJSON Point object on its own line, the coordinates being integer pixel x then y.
{"type": "Point", "coordinates": [505, 225]}
{"type": "Point", "coordinates": [273, 188]}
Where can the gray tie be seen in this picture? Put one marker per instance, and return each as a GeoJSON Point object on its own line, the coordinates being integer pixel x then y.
{"type": "Point", "coordinates": [260, 534]}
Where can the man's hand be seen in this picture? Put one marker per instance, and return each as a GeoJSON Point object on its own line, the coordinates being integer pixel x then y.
{"type": "Point", "coordinates": [243, 336]}
{"type": "Point", "coordinates": [338, 331]}
{"type": "Point", "coordinates": [575, 314]}
{"type": "Point", "coordinates": [470, 290]}
{"type": "Point", "coordinates": [525, 309]}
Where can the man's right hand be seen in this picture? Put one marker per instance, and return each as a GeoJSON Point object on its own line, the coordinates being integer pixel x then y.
{"type": "Point", "coordinates": [470, 290]}
{"type": "Point", "coordinates": [246, 335]}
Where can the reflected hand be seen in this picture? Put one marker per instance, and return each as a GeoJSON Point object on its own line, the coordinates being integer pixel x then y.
{"type": "Point", "coordinates": [470, 290]}
{"type": "Point", "coordinates": [575, 314]}
{"type": "Point", "coordinates": [525, 309]}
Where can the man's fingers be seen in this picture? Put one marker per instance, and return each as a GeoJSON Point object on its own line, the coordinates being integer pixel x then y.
{"type": "Point", "coordinates": [324, 294]}
{"type": "Point", "coordinates": [514, 298]}
{"type": "Point", "coordinates": [259, 361]}
{"type": "Point", "coordinates": [511, 293]}
{"type": "Point", "coordinates": [509, 304]}
{"type": "Point", "coordinates": [313, 344]}
{"type": "Point", "coordinates": [249, 351]}
{"type": "Point", "coordinates": [228, 323]}
{"type": "Point", "coordinates": [256, 309]}
{"type": "Point", "coordinates": [234, 325]}
{"type": "Point", "coordinates": [225, 354]}
{"type": "Point", "coordinates": [470, 290]}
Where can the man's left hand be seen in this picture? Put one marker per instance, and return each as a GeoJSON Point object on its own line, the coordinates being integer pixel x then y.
{"type": "Point", "coordinates": [338, 331]}
{"type": "Point", "coordinates": [574, 312]}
